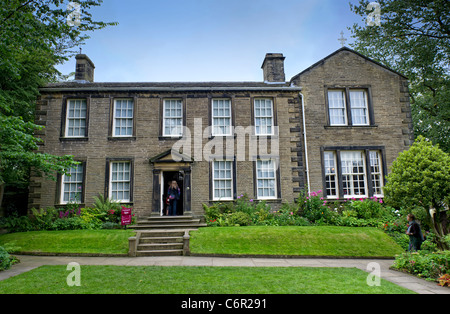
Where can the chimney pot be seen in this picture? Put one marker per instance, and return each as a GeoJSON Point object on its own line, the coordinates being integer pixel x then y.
{"type": "Point", "coordinates": [273, 68]}
{"type": "Point", "coordinates": [84, 70]}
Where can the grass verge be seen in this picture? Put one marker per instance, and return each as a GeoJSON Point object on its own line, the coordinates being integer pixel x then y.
{"type": "Point", "coordinates": [299, 241]}
{"type": "Point", "coordinates": [197, 280]}
{"type": "Point", "coordinates": [74, 241]}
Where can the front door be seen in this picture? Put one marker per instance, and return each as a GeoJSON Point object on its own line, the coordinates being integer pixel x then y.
{"type": "Point", "coordinates": [167, 168]}
{"type": "Point", "coordinates": [167, 177]}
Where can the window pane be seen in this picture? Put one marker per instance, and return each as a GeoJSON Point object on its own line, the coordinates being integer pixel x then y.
{"type": "Point", "coordinates": [123, 117]}
{"type": "Point", "coordinates": [222, 179]}
{"type": "Point", "coordinates": [377, 175]}
{"type": "Point", "coordinates": [173, 117]}
{"type": "Point", "coordinates": [353, 173]}
{"type": "Point", "coordinates": [76, 118]}
{"type": "Point", "coordinates": [72, 185]}
{"type": "Point", "coordinates": [330, 174]}
{"type": "Point", "coordinates": [263, 117]}
{"type": "Point", "coordinates": [266, 178]}
{"type": "Point", "coordinates": [221, 117]}
{"type": "Point", "coordinates": [120, 181]}
{"type": "Point", "coordinates": [336, 105]}
{"type": "Point", "coordinates": [358, 103]}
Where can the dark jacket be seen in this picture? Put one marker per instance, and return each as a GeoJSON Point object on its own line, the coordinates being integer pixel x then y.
{"type": "Point", "coordinates": [174, 194]}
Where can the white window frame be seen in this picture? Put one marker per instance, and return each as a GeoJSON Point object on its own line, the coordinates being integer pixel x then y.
{"type": "Point", "coordinates": [352, 174]}
{"type": "Point", "coordinates": [121, 119]}
{"type": "Point", "coordinates": [265, 117]}
{"type": "Point", "coordinates": [355, 106]}
{"type": "Point", "coordinates": [178, 117]}
{"type": "Point", "coordinates": [268, 179]}
{"type": "Point", "coordinates": [330, 165]}
{"type": "Point", "coordinates": [214, 126]}
{"type": "Point", "coordinates": [375, 162]}
{"type": "Point", "coordinates": [331, 100]}
{"type": "Point", "coordinates": [215, 181]}
{"type": "Point", "coordinates": [122, 181]}
{"type": "Point", "coordinates": [75, 119]}
{"type": "Point", "coordinates": [73, 178]}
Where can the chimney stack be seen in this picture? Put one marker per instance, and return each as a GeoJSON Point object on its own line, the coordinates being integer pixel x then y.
{"type": "Point", "coordinates": [273, 68]}
{"type": "Point", "coordinates": [84, 70]}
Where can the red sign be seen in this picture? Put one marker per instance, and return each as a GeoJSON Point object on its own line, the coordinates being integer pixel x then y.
{"type": "Point", "coordinates": [126, 216]}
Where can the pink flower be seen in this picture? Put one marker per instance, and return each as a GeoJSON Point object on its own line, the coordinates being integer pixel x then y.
{"type": "Point", "coordinates": [381, 201]}
{"type": "Point", "coordinates": [251, 200]}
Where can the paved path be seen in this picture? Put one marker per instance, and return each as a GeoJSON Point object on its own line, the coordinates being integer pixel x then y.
{"type": "Point", "coordinates": [405, 280]}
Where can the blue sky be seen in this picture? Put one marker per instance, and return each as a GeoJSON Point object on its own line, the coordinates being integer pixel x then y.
{"type": "Point", "coordinates": [212, 40]}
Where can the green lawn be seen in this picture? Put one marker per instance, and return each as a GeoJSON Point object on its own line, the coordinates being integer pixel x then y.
{"type": "Point", "coordinates": [310, 241]}
{"type": "Point", "coordinates": [197, 280]}
{"type": "Point", "coordinates": [77, 241]}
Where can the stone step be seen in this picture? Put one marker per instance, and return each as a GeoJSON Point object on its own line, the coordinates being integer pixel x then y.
{"type": "Point", "coordinates": [160, 246]}
{"type": "Point", "coordinates": [167, 221]}
{"type": "Point", "coordinates": [155, 233]}
{"type": "Point", "coordinates": [167, 217]}
{"type": "Point", "coordinates": [168, 226]}
{"type": "Point", "coordinates": [148, 240]}
{"type": "Point", "coordinates": [160, 253]}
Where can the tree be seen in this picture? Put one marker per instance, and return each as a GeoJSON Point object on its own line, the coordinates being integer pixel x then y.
{"type": "Point", "coordinates": [34, 37]}
{"type": "Point", "coordinates": [420, 178]}
{"type": "Point", "coordinates": [413, 38]}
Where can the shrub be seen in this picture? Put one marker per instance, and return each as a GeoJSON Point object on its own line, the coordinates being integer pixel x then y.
{"type": "Point", "coordinates": [239, 218]}
{"type": "Point", "coordinates": [431, 265]}
{"type": "Point", "coordinates": [14, 223]}
{"type": "Point", "coordinates": [5, 259]}
{"type": "Point", "coordinates": [93, 217]}
{"type": "Point", "coordinates": [444, 280]}
{"type": "Point", "coordinates": [211, 212]}
{"type": "Point", "coordinates": [44, 218]}
{"type": "Point", "coordinates": [419, 177]}
{"type": "Point", "coordinates": [368, 208]}
{"type": "Point", "coordinates": [105, 204]}
{"type": "Point", "coordinates": [72, 223]}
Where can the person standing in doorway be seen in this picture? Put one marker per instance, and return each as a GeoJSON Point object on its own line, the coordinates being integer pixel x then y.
{"type": "Point", "coordinates": [415, 233]}
{"type": "Point", "coordinates": [174, 196]}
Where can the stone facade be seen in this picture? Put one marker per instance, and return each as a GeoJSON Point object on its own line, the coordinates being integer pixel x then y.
{"type": "Point", "coordinates": [152, 156]}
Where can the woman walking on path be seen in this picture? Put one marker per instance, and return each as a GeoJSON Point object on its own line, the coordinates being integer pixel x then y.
{"type": "Point", "coordinates": [415, 233]}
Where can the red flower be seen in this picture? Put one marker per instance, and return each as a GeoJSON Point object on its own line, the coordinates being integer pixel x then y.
{"type": "Point", "coordinates": [111, 212]}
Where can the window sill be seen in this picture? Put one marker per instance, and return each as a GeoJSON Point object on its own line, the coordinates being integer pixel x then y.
{"type": "Point", "coordinates": [73, 139]}
{"type": "Point", "coordinates": [124, 138]}
{"type": "Point", "coordinates": [374, 126]}
{"type": "Point", "coordinates": [170, 138]}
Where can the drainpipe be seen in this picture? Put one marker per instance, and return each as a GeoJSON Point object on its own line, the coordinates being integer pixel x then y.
{"type": "Point", "coordinates": [305, 141]}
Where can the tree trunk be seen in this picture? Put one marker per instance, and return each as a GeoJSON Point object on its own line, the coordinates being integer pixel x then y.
{"type": "Point", "coordinates": [439, 222]}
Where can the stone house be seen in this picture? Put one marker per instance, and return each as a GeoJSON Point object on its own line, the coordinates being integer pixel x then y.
{"type": "Point", "coordinates": [336, 127]}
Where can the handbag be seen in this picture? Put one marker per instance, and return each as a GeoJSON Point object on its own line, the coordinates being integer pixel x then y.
{"type": "Point", "coordinates": [167, 201]}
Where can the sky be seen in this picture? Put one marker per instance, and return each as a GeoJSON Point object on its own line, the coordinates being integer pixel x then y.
{"type": "Point", "coordinates": [212, 40]}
